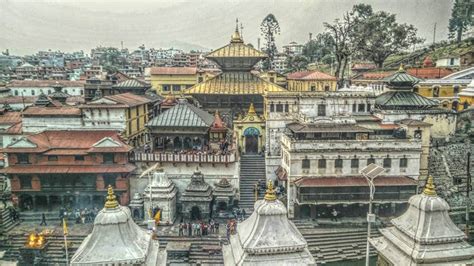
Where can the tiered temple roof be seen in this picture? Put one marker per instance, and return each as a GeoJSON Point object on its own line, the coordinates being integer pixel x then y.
{"type": "Point", "coordinates": [161, 187]}
{"type": "Point", "coordinates": [117, 240]}
{"type": "Point", "coordinates": [267, 237]}
{"type": "Point", "coordinates": [197, 190]}
{"type": "Point", "coordinates": [182, 115]}
{"type": "Point", "coordinates": [424, 234]}
{"type": "Point", "coordinates": [223, 189]}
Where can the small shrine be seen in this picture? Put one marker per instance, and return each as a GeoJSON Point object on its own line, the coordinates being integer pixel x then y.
{"type": "Point", "coordinates": [424, 235]}
{"type": "Point", "coordinates": [162, 193]}
{"type": "Point", "coordinates": [136, 207]}
{"type": "Point", "coordinates": [117, 240]}
{"type": "Point", "coordinates": [267, 237]}
{"type": "Point", "coordinates": [250, 131]}
{"type": "Point", "coordinates": [58, 94]}
{"type": "Point", "coordinates": [224, 194]}
{"type": "Point", "coordinates": [196, 199]}
{"type": "Point", "coordinates": [218, 130]}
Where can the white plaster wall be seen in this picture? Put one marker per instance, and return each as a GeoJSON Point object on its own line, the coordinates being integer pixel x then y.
{"type": "Point", "coordinates": [113, 120]}
{"type": "Point", "coordinates": [35, 91]}
{"type": "Point", "coordinates": [38, 124]}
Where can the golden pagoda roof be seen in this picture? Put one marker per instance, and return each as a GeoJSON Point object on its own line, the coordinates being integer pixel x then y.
{"type": "Point", "coordinates": [234, 83]}
{"type": "Point", "coordinates": [236, 48]}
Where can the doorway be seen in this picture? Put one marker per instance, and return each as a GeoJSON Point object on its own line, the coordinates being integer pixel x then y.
{"type": "Point", "coordinates": [251, 140]}
{"type": "Point", "coordinates": [195, 213]}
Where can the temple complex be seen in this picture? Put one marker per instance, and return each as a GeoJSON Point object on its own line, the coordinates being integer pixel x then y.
{"type": "Point", "coordinates": [250, 132]}
{"type": "Point", "coordinates": [160, 195]}
{"type": "Point", "coordinates": [196, 198]}
{"type": "Point", "coordinates": [267, 237]}
{"type": "Point", "coordinates": [117, 240]}
{"type": "Point", "coordinates": [236, 87]}
{"type": "Point", "coordinates": [424, 235]}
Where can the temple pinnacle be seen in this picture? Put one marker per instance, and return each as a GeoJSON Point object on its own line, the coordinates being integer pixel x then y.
{"type": "Point", "coordinates": [270, 194]}
{"type": "Point", "coordinates": [111, 201]}
{"type": "Point", "coordinates": [430, 189]}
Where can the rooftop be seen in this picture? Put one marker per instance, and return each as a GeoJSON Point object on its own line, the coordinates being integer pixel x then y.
{"type": "Point", "coordinates": [173, 71]}
{"type": "Point", "coordinates": [182, 114]}
{"type": "Point", "coordinates": [44, 83]}
{"type": "Point", "coordinates": [310, 75]}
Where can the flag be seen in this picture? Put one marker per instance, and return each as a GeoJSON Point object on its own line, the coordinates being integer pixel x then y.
{"type": "Point", "coordinates": [65, 227]}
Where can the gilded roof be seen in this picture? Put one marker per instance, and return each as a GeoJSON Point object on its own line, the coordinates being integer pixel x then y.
{"type": "Point", "coordinates": [234, 83]}
{"type": "Point", "coordinates": [182, 115]}
{"type": "Point", "coordinates": [236, 48]}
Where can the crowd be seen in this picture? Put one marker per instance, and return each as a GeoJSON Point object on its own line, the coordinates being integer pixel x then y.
{"type": "Point", "coordinates": [80, 216]}
{"type": "Point", "coordinates": [198, 228]}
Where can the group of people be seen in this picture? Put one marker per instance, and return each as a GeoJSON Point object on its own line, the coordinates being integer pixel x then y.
{"type": "Point", "coordinates": [81, 216]}
{"type": "Point", "coordinates": [231, 228]}
{"type": "Point", "coordinates": [198, 228]}
{"type": "Point", "coordinates": [239, 214]}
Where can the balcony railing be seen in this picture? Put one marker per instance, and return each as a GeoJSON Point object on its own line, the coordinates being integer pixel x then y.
{"type": "Point", "coordinates": [182, 158]}
{"type": "Point", "coordinates": [356, 197]}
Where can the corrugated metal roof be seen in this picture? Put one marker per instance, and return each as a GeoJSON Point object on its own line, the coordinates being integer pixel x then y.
{"type": "Point", "coordinates": [403, 99]}
{"type": "Point", "coordinates": [132, 83]}
{"type": "Point", "coordinates": [234, 83]}
{"type": "Point", "coordinates": [182, 115]}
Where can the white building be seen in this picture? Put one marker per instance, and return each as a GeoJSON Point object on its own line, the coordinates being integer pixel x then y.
{"type": "Point", "coordinates": [36, 87]}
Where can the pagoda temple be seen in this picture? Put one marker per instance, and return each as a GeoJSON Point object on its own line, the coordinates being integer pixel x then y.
{"type": "Point", "coordinates": [224, 194]}
{"type": "Point", "coordinates": [117, 240]}
{"type": "Point", "coordinates": [196, 199]}
{"type": "Point", "coordinates": [267, 237]}
{"type": "Point", "coordinates": [236, 87]}
{"type": "Point", "coordinates": [162, 192]}
{"type": "Point", "coordinates": [424, 235]}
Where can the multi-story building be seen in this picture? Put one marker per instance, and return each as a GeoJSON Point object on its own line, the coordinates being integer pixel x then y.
{"type": "Point", "coordinates": [174, 80]}
{"type": "Point", "coordinates": [36, 87]}
{"type": "Point", "coordinates": [279, 63]}
{"type": "Point", "coordinates": [72, 169]}
{"type": "Point", "coordinates": [26, 71]}
{"type": "Point", "coordinates": [311, 81]}
{"type": "Point", "coordinates": [293, 49]}
{"type": "Point", "coordinates": [321, 164]}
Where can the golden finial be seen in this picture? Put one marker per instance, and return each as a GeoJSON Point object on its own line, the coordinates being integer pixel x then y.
{"type": "Point", "coordinates": [236, 36]}
{"type": "Point", "coordinates": [251, 110]}
{"type": "Point", "coordinates": [270, 194]}
{"type": "Point", "coordinates": [401, 69]}
{"type": "Point", "coordinates": [111, 201]}
{"type": "Point", "coordinates": [430, 189]}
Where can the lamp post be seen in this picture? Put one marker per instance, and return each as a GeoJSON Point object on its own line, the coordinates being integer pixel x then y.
{"type": "Point", "coordinates": [370, 172]}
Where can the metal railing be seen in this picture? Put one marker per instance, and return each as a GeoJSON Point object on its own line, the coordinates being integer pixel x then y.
{"type": "Point", "coordinates": [182, 158]}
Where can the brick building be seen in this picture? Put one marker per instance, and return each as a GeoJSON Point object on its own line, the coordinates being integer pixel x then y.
{"type": "Point", "coordinates": [68, 168]}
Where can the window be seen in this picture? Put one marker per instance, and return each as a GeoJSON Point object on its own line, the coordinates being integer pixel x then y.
{"type": "Point", "coordinates": [436, 92]}
{"type": "Point", "coordinates": [166, 88]}
{"type": "Point", "coordinates": [313, 88]}
{"type": "Point", "coordinates": [33, 92]}
{"type": "Point", "coordinates": [321, 110]}
{"type": "Point", "coordinates": [322, 163]}
{"type": "Point", "coordinates": [354, 107]}
{"type": "Point", "coordinates": [52, 158]}
{"type": "Point", "coordinates": [387, 163]}
{"type": "Point", "coordinates": [355, 163]}
{"type": "Point", "coordinates": [456, 89]}
{"type": "Point", "coordinates": [109, 180]}
{"type": "Point", "coordinates": [416, 89]}
{"type": "Point", "coordinates": [338, 163]}
{"type": "Point", "coordinates": [370, 161]}
{"type": "Point", "coordinates": [272, 79]}
{"type": "Point", "coordinates": [361, 107]}
{"type": "Point", "coordinates": [272, 107]}
{"type": "Point", "coordinates": [49, 91]}
{"type": "Point", "coordinates": [25, 182]}
{"type": "Point", "coordinates": [368, 107]}
{"type": "Point", "coordinates": [108, 158]}
{"type": "Point", "coordinates": [326, 87]}
{"type": "Point", "coordinates": [23, 158]}
{"type": "Point", "coordinates": [306, 164]}
{"type": "Point", "coordinates": [286, 108]}
{"type": "Point", "coordinates": [200, 79]}
{"type": "Point", "coordinates": [176, 87]}
{"type": "Point", "coordinates": [79, 157]}
{"type": "Point", "coordinates": [403, 162]}
{"type": "Point", "coordinates": [279, 107]}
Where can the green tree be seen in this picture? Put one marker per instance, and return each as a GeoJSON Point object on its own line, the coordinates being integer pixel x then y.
{"type": "Point", "coordinates": [111, 59]}
{"type": "Point", "coordinates": [379, 35]}
{"type": "Point", "coordinates": [270, 28]}
{"type": "Point", "coordinates": [297, 63]}
{"type": "Point", "coordinates": [320, 49]}
{"type": "Point", "coordinates": [461, 18]}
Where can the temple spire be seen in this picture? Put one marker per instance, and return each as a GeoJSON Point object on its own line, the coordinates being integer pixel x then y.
{"type": "Point", "coordinates": [251, 110]}
{"type": "Point", "coordinates": [270, 194]}
{"type": "Point", "coordinates": [401, 68]}
{"type": "Point", "coordinates": [111, 201]}
{"type": "Point", "coordinates": [236, 38]}
{"type": "Point", "coordinates": [430, 189]}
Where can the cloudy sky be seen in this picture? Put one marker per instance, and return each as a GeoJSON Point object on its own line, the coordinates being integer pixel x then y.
{"type": "Point", "coordinates": [30, 25]}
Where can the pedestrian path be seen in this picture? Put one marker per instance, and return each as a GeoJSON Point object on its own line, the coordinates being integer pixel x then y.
{"type": "Point", "coordinates": [252, 169]}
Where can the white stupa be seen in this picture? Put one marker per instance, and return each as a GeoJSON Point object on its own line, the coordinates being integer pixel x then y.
{"type": "Point", "coordinates": [267, 237]}
{"type": "Point", "coordinates": [424, 235]}
{"type": "Point", "coordinates": [117, 240]}
{"type": "Point", "coordinates": [163, 196]}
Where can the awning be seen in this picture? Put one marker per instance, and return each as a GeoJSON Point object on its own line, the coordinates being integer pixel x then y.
{"type": "Point", "coordinates": [69, 169]}
{"type": "Point", "coordinates": [354, 181]}
{"type": "Point", "coordinates": [281, 173]}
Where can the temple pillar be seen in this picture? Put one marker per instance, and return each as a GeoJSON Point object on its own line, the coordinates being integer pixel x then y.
{"type": "Point", "coordinates": [35, 183]}
{"type": "Point", "coordinates": [313, 211]}
{"type": "Point", "coordinates": [33, 201]}
{"type": "Point", "coordinates": [48, 202]}
{"type": "Point", "coordinates": [76, 201]}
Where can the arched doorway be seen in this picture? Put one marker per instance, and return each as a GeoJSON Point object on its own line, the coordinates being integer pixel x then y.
{"type": "Point", "coordinates": [251, 140]}
{"type": "Point", "coordinates": [195, 213]}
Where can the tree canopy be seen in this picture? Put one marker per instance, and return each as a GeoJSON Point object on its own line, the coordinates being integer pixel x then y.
{"type": "Point", "coordinates": [270, 28]}
{"type": "Point", "coordinates": [461, 18]}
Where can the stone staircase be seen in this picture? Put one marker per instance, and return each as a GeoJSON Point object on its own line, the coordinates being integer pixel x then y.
{"type": "Point", "coordinates": [252, 169]}
{"type": "Point", "coordinates": [55, 253]}
{"type": "Point", "coordinates": [198, 256]}
{"type": "Point", "coordinates": [330, 245]}
{"type": "Point", "coordinates": [6, 224]}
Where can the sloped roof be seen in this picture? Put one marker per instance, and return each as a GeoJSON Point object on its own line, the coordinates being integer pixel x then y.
{"type": "Point", "coordinates": [234, 83]}
{"type": "Point", "coordinates": [44, 83]}
{"type": "Point", "coordinates": [128, 99]}
{"type": "Point", "coordinates": [182, 115]}
{"type": "Point", "coordinates": [52, 111]}
{"type": "Point", "coordinates": [310, 75]}
{"type": "Point", "coordinates": [403, 99]}
{"type": "Point", "coordinates": [401, 77]}
{"type": "Point", "coordinates": [236, 48]}
{"type": "Point", "coordinates": [132, 83]}
{"type": "Point", "coordinates": [173, 71]}
{"type": "Point", "coordinates": [10, 118]}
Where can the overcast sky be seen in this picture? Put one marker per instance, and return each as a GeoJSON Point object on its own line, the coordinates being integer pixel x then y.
{"type": "Point", "coordinates": [68, 25]}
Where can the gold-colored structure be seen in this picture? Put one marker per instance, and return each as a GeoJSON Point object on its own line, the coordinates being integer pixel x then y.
{"type": "Point", "coordinates": [430, 189]}
{"type": "Point", "coordinates": [111, 201]}
{"type": "Point", "coordinates": [270, 194]}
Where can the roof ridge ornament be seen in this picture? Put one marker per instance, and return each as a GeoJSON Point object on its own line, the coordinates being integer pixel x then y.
{"type": "Point", "coordinates": [251, 110]}
{"type": "Point", "coordinates": [270, 194]}
{"type": "Point", "coordinates": [401, 69]}
{"type": "Point", "coordinates": [111, 202]}
{"type": "Point", "coordinates": [430, 188]}
{"type": "Point", "coordinates": [236, 38]}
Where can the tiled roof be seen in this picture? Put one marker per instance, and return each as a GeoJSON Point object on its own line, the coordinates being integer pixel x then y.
{"type": "Point", "coordinates": [401, 77]}
{"type": "Point", "coordinates": [10, 118]}
{"type": "Point", "coordinates": [44, 83]}
{"type": "Point", "coordinates": [234, 83]}
{"type": "Point", "coordinates": [128, 99]}
{"type": "Point", "coordinates": [16, 129]}
{"type": "Point", "coordinates": [182, 115]}
{"type": "Point", "coordinates": [375, 75]}
{"type": "Point", "coordinates": [69, 169]}
{"type": "Point", "coordinates": [400, 99]}
{"type": "Point", "coordinates": [354, 181]}
{"type": "Point", "coordinates": [429, 72]}
{"type": "Point", "coordinates": [51, 111]}
{"type": "Point", "coordinates": [132, 83]}
{"type": "Point", "coordinates": [310, 75]}
{"type": "Point", "coordinates": [173, 71]}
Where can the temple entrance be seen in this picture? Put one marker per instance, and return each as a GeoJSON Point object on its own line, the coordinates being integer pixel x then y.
{"type": "Point", "coordinates": [136, 214]}
{"type": "Point", "coordinates": [251, 140]}
{"type": "Point", "coordinates": [195, 213]}
{"type": "Point", "coordinates": [26, 202]}
{"type": "Point", "coordinates": [221, 206]}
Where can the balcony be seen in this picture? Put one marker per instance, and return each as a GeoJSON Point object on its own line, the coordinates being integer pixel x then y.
{"type": "Point", "coordinates": [354, 197]}
{"type": "Point", "coordinates": [166, 157]}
